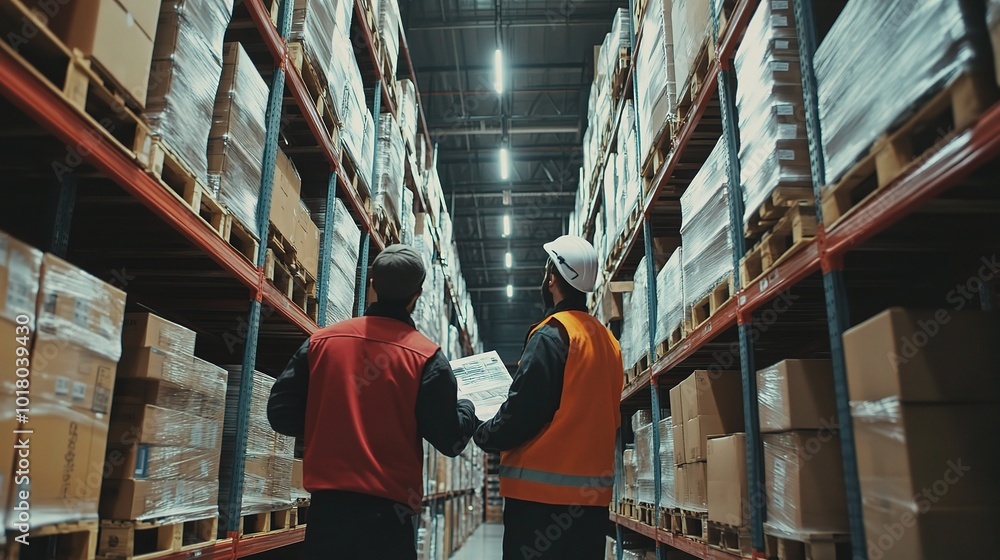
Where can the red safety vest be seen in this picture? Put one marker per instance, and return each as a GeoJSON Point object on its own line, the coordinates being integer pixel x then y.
{"type": "Point", "coordinates": [572, 460]}
{"type": "Point", "coordinates": [361, 424]}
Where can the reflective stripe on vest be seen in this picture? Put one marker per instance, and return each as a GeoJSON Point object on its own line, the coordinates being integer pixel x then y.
{"type": "Point", "coordinates": [571, 461]}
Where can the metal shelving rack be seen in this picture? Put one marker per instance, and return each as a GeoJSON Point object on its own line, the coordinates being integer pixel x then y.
{"type": "Point", "coordinates": [43, 103]}
{"type": "Point", "coordinates": [949, 165]}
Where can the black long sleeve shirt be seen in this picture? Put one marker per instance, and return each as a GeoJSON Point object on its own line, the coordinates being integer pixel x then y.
{"type": "Point", "coordinates": [536, 390]}
{"type": "Point", "coordinates": [442, 419]}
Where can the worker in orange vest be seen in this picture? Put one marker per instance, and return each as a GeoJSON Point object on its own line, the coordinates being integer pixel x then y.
{"type": "Point", "coordinates": [557, 431]}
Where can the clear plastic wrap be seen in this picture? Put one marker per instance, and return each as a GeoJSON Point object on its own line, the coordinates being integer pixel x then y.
{"type": "Point", "coordinates": [174, 369]}
{"type": "Point", "coordinates": [670, 296]}
{"type": "Point", "coordinates": [408, 222]}
{"type": "Point", "coordinates": [644, 457]}
{"type": "Point", "coordinates": [389, 187]}
{"type": "Point", "coordinates": [655, 74]}
{"type": "Point", "coordinates": [804, 478]}
{"type": "Point", "coordinates": [705, 231]}
{"type": "Point", "coordinates": [318, 25]}
{"type": "Point", "coordinates": [407, 99]}
{"type": "Point", "coordinates": [154, 425]}
{"type": "Point", "coordinates": [927, 463]}
{"type": "Point", "coordinates": [343, 272]}
{"type": "Point", "coordinates": [142, 500]}
{"type": "Point", "coordinates": [145, 329]}
{"type": "Point", "coordinates": [667, 498]}
{"type": "Point", "coordinates": [184, 77]}
{"type": "Point", "coordinates": [629, 179]}
{"type": "Point", "coordinates": [348, 93]}
{"type": "Point", "coordinates": [774, 147]}
{"type": "Point", "coordinates": [692, 25]}
{"type": "Point", "coordinates": [388, 30]}
{"type": "Point", "coordinates": [877, 61]}
{"type": "Point", "coordinates": [236, 143]}
{"type": "Point", "coordinates": [636, 318]}
{"type": "Point", "coordinates": [76, 308]}
{"type": "Point", "coordinates": [616, 40]}
{"type": "Point", "coordinates": [153, 462]}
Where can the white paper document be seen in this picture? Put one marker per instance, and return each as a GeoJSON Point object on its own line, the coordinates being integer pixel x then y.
{"type": "Point", "coordinates": [484, 380]}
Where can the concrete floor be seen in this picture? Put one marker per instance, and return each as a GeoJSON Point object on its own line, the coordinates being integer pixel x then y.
{"type": "Point", "coordinates": [484, 544]}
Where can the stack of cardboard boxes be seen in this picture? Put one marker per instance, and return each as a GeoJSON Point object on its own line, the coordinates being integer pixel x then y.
{"type": "Point", "coordinates": [76, 322]}
{"type": "Point", "coordinates": [710, 404]}
{"type": "Point", "coordinates": [803, 468]}
{"type": "Point", "coordinates": [924, 391]}
{"type": "Point", "coordinates": [291, 217]}
{"type": "Point", "coordinates": [166, 426]}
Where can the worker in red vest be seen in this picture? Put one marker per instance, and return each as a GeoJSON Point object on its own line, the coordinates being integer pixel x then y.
{"type": "Point", "coordinates": [363, 393]}
{"type": "Point", "coordinates": [557, 431]}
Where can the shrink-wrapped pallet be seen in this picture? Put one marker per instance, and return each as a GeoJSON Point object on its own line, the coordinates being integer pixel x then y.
{"type": "Point", "coordinates": [407, 99]}
{"type": "Point", "coordinates": [343, 270]}
{"type": "Point", "coordinates": [644, 456]}
{"type": "Point", "coordinates": [408, 219]}
{"type": "Point", "coordinates": [617, 40]}
{"type": "Point", "coordinates": [388, 30]}
{"type": "Point", "coordinates": [635, 324]}
{"type": "Point", "coordinates": [705, 231]}
{"type": "Point", "coordinates": [317, 25]}
{"type": "Point", "coordinates": [692, 28]}
{"type": "Point", "coordinates": [774, 147]}
{"type": "Point", "coordinates": [655, 74]}
{"type": "Point", "coordinates": [184, 78]}
{"type": "Point", "coordinates": [668, 495]}
{"type": "Point", "coordinates": [348, 93]}
{"type": "Point", "coordinates": [388, 188]}
{"type": "Point", "coordinates": [236, 142]}
{"type": "Point", "coordinates": [879, 60]}
{"type": "Point", "coordinates": [630, 181]}
{"type": "Point", "coordinates": [670, 296]}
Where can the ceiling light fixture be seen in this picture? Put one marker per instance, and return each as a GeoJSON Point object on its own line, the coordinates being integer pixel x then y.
{"type": "Point", "coordinates": [510, 291]}
{"type": "Point", "coordinates": [504, 163]}
{"type": "Point", "coordinates": [498, 66]}
{"type": "Point", "coordinates": [506, 225]}
{"type": "Point", "coordinates": [508, 260]}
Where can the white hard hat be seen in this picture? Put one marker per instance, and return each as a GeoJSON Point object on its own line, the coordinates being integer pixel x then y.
{"type": "Point", "coordinates": [576, 260]}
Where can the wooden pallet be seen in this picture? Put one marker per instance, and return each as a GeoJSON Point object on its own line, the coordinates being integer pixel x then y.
{"type": "Point", "coordinates": [175, 175]}
{"type": "Point", "coordinates": [316, 85]}
{"type": "Point", "coordinates": [670, 520]}
{"type": "Point", "coordinates": [694, 524]}
{"type": "Point", "coordinates": [146, 540]}
{"type": "Point", "coordinates": [620, 74]}
{"type": "Point", "coordinates": [647, 514]}
{"type": "Point", "coordinates": [627, 508]}
{"type": "Point", "coordinates": [734, 540]}
{"type": "Point", "coordinates": [265, 522]}
{"type": "Point", "coordinates": [75, 540]}
{"type": "Point", "coordinates": [84, 85]}
{"type": "Point", "coordinates": [774, 208]}
{"type": "Point", "coordinates": [241, 238]}
{"type": "Point", "coordinates": [659, 151]}
{"type": "Point", "coordinates": [792, 232]}
{"type": "Point", "coordinates": [290, 278]}
{"type": "Point", "coordinates": [707, 306]}
{"type": "Point", "coordinates": [300, 513]}
{"type": "Point", "coordinates": [675, 338]}
{"type": "Point", "coordinates": [725, 16]}
{"type": "Point", "coordinates": [640, 367]}
{"type": "Point", "coordinates": [631, 223]}
{"type": "Point", "coordinates": [695, 82]}
{"type": "Point", "coordinates": [936, 121]}
{"type": "Point", "coordinates": [820, 546]}
{"type": "Point", "coordinates": [386, 226]}
{"type": "Point", "coordinates": [357, 179]}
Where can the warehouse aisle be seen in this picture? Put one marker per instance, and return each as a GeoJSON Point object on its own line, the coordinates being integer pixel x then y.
{"type": "Point", "coordinates": [484, 544]}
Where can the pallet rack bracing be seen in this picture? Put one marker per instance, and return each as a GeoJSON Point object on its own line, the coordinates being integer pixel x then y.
{"type": "Point", "coordinates": [954, 160]}
{"type": "Point", "coordinates": [44, 104]}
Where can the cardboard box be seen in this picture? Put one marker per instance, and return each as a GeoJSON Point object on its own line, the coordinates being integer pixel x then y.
{"type": "Point", "coordinates": [676, 406]}
{"type": "Point", "coordinates": [696, 486]}
{"type": "Point", "coordinates": [179, 370]}
{"type": "Point", "coordinates": [149, 499]}
{"type": "Point", "coordinates": [66, 462]}
{"type": "Point", "coordinates": [116, 34]}
{"type": "Point", "coordinates": [142, 330]}
{"type": "Point", "coordinates": [158, 393]}
{"type": "Point", "coordinates": [680, 486]}
{"type": "Point", "coordinates": [728, 501]}
{"type": "Point", "coordinates": [153, 425]}
{"type": "Point", "coordinates": [298, 481]}
{"type": "Point", "coordinates": [307, 241]}
{"type": "Point", "coordinates": [285, 197]}
{"type": "Point", "coordinates": [796, 395]}
{"type": "Point", "coordinates": [944, 356]}
{"type": "Point", "coordinates": [140, 461]}
{"type": "Point", "coordinates": [680, 445]}
{"type": "Point", "coordinates": [66, 373]}
{"type": "Point", "coordinates": [714, 394]}
{"type": "Point", "coordinates": [696, 434]}
{"type": "Point", "coordinates": [804, 483]}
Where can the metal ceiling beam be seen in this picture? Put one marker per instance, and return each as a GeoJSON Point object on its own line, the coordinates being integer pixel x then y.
{"type": "Point", "coordinates": [513, 22]}
{"type": "Point", "coordinates": [513, 69]}
{"type": "Point", "coordinates": [522, 194]}
{"type": "Point", "coordinates": [462, 131]}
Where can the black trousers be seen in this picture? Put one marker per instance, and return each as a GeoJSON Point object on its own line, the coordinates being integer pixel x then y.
{"type": "Point", "coordinates": [535, 531]}
{"type": "Point", "coordinates": [350, 526]}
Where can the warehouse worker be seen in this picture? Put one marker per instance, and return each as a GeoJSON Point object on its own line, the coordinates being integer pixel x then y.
{"type": "Point", "coordinates": [363, 393]}
{"type": "Point", "coordinates": [557, 431]}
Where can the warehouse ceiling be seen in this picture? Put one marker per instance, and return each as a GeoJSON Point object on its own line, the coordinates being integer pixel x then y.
{"type": "Point", "coordinates": [540, 116]}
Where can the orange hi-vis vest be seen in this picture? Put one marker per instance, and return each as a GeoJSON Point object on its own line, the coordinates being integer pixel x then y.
{"type": "Point", "coordinates": [572, 460]}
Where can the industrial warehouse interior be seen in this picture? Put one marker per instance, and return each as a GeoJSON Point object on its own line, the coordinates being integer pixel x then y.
{"type": "Point", "coordinates": [499, 279]}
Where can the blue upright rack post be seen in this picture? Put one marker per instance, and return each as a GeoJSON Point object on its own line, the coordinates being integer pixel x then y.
{"type": "Point", "coordinates": [748, 371]}
{"type": "Point", "coordinates": [367, 236]}
{"type": "Point", "coordinates": [274, 105]}
{"type": "Point", "coordinates": [326, 250]}
{"type": "Point", "coordinates": [834, 284]}
{"type": "Point", "coordinates": [62, 218]}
